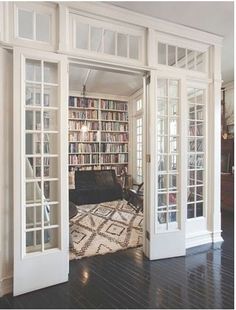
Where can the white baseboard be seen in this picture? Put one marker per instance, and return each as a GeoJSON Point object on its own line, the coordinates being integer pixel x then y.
{"type": "Point", "coordinates": [198, 238]}
{"type": "Point", "coordinates": [6, 285]}
{"type": "Point", "coordinates": [203, 237]}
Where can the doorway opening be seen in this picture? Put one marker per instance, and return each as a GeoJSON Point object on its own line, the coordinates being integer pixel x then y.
{"type": "Point", "coordinates": [105, 160]}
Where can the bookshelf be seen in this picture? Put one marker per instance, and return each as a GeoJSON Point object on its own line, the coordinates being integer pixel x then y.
{"type": "Point", "coordinates": [98, 134]}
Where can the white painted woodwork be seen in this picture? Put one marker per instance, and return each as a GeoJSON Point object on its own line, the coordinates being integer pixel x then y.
{"type": "Point", "coordinates": [44, 267]}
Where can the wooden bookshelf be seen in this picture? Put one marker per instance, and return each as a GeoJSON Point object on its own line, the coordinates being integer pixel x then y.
{"type": "Point", "coordinates": [104, 145]}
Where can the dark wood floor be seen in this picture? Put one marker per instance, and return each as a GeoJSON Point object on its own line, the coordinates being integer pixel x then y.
{"type": "Point", "coordinates": [126, 279]}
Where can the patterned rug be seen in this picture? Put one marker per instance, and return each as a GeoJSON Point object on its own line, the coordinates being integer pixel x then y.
{"type": "Point", "coordinates": [105, 228]}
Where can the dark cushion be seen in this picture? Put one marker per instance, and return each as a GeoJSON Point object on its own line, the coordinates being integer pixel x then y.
{"type": "Point", "coordinates": [105, 178]}
{"type": "Point", "coordinates": [84, 179]}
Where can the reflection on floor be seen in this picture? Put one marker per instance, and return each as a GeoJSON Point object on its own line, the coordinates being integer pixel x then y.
{"type": "Point", "coordinates": [126, 279]}
{"type": "Point", "coordinates": [105, 228]}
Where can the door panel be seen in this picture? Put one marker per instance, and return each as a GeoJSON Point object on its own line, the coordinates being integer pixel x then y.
{"type": "Point", "coordinates": [41, 256]}
{"type": "Point", "coordinates": [166, 184]}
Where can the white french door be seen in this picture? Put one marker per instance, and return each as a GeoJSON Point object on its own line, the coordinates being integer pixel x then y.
{"type": "Point", "coordinates": [166, 184]}
{"type": "Point", "coordinates": [40, 170]}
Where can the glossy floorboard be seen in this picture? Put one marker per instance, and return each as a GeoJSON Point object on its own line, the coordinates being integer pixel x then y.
{"type": "Point", "coordinates": [126, 279]}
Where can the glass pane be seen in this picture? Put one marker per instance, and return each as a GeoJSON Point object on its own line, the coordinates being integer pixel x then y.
{"type": "Point", "coordinates": [190, 59]}
{"type": "Point", "coordinates": [191, 95]}
{"type": "Point", "coordinates": [162, 126]}
{"type": "Point", "coordinates": [50, 97]}
{"type": "Point", "coordinates": [32, 120]}
{"type": "Point", "coordinates": [51, 238]}
{"type": "Point", "coordinates": [33, 192]}
{"type": "Point", "coordinates": [191, 177]}
{"type": "Point", "coordinates": [33, 167]}
{"type": "Point", "coordinates": [161, 217]}
{"type": "Point", "coordinates": [173, 144]}
{"type": "Point", "coordinates": [50, 167]}
{"type": "Point", "coordinates": [199, 112]}
{"type": "Point", "coordinates": [33, 70]}
{"type": "Point", "coordinates": [33, 217]}
{"type": "Point", "coordinates": [173, 127]}
{"type": "Point", "coordinates": [192, 111]}
{"type": "Point", "coordinates": [50, 143]}
{"type": "Point", "coordinates": [50, 72]}
{"type": "Point", "coordinates": [199, 176]}
{"type": "Point", "coordinates": [173, 107]}
{"type": "Point", "coordinates": [191, 161]}
{"type": "Point", "coordinates": [173, 162]}
{"type": "Point", "coordinates": [82, 35]}
{"type": "Point", "coordinates": [172, 198]}
{"type": "Point", "coordinates": [33, 95]}
{"type": "Point", "coordinates": [199, 128]}
{"type": "Point", "coordinates": [51, 192]}
{"type": "Point", "coordinates": [161, 107]}
{"type": "Point", "coordinates": [191, 194]}
{"type": "Point", "coordinates": [122, 45]}
{"type": "Point", "coordinates": [109, 42]}
{"type": "Point", "coordinates": [25, 24]}
{"type": "Point", "coordinates": [161, 88]}
{"type": "Point", "coordinates": [162, 201]}
{"type": "Point", "coordinates": [51, 214]}
{"type": "Point", "coordinates": [191, 145]}
{"type": "Point", "coordinates": [199, 145]}
{"type": "Point", "coordinates": [172, 182]}
{"type": "Point", "coordinates": [42, 27]}
{"type": "Point", "coordinates": [134, 47]}
{"type": "Point", "coordinates": [199, 193]}
{"type": "Point", "coordinates": [190, 211]}
{"type": "Point", "coordinates": [173, 88]}
{"type": "Point", "coordinates": [162, 182]}
{"type": "Point", "coordinates": [50, 120]}
{"type": "Point", "coordinates": [181, 57]}
{"type": "Point", "coordinates": [162, 162]}
{"type": "Point", "coordinates": [171, 55]}
{"type": "Point", "coordinates": [192, 131]}
{"type": "Point", "coordinates": [33, 241]}
{"type": "Point", "coordinates": [96, 39]}
{"type": "Point", "coordinates": [162, 144]}
{"type": "Point", "coordinates": [200, 61]}
{"type": "Point", "coordinates": [199, 209]}
{"type": "Point", "coordinates": [199, 93]}
{"type": "Point", "coordinates": [172, 217]}
{"type": "Point", "coordinates": [32, 143]}
{"type": "Point", "coordinates": [161, 53]}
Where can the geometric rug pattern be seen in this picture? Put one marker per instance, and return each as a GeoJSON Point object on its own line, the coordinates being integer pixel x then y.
{"type": "Point", "coordinates": [103, 228]}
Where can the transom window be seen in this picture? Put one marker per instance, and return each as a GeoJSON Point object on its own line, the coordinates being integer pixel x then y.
{"type": "Point", "coordinates": [32, 25]}
{"type": "Point", "coordinates": [180, 57]}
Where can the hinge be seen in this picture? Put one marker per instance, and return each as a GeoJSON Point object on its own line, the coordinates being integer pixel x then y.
{"type": "Point", "coordinates": [147, 235]}
{"type": "Point", "coordinates": [148, 80]}
{"type": "Point", "coordinates": [148, 158]}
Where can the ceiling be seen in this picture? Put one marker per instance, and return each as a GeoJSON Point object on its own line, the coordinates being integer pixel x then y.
{"type": "Point", "coordinates": [210, 16]}
{"type": "Point", "coordinates": [104, 82]}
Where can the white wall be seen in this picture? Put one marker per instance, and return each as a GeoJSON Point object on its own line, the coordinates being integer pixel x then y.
{"type": "Point", "coordinates": [6, 171]}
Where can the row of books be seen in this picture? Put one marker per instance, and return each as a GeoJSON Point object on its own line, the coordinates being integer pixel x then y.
{"type": "Point", "coordinates": [83, 148]}
{"type": "Point", "coordinates": [83, 159]}
{"type": "Point", "coordinates": [83, 115]}
{"type": "Point", "coordinates": [115, 116]}
{"type": "Point", "coordinates": [84, 136]}
{"type": "Point", "coordinates": [77, 125]}
{"type": "Point", "coordinates": [114, 137]}
{"type": "Point", "coordinates": [118, 168]}
{"type": "Point", "coordinates": [114, 126]}
{"type": "Point", "coordinates": [114, 158]}
{"type": "Point", "coordinates": [114, 105]}
{"type": "Point", "coordinates": [118, 148]}
{"type": "Point", "coordinates": [79, 102]}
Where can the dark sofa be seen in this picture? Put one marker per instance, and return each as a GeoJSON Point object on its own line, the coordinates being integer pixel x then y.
{"type": "Point", "coordinates": [95, 186]}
